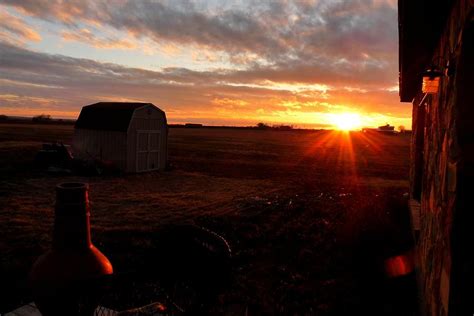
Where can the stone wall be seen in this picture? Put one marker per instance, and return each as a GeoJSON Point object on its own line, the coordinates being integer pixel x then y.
{"type": "Point", "coordinates": [436, 157]}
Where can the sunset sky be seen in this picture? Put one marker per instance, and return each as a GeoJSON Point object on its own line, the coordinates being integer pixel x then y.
{"type": "Point", "coordinates": [212, 62]}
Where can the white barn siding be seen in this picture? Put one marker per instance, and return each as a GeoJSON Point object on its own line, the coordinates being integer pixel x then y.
{"type": "Point", "coordinates": [104, 145]}
{"type": "Point", "coordinates": [147, 140]}
{"type": "Point", "coordinates": [133, 136]}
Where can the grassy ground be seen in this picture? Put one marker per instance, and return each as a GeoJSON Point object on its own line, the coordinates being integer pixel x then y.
{"type": "Point", "coordinates": [311, 216]}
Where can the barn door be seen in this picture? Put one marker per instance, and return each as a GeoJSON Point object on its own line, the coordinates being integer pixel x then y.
{"type": "Point", "coordinates": [148, 150]}
{"type": "Point", "coordinates": [153, 150]}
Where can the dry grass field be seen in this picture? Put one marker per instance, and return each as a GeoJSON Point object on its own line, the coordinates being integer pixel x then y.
{"type": "Point", "coordinates": [310, 216]}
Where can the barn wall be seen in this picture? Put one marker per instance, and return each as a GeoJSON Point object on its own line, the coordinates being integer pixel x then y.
{"type": "Point", "coordinates": [147, 118]}
{"type": "Point", "coordinates": [105, 145]}
{"type": "Point", "coordinates": [436, 170]}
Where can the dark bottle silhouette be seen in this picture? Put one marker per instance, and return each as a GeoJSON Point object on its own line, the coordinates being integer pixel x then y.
{"type": "Point", "coordinates": [69, 278]}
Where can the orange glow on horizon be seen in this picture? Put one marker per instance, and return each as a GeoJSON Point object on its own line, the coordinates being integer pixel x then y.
{"type": "Point", "coordinates": [346, 121]}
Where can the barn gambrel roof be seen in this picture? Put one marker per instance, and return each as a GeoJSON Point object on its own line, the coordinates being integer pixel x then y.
{"type": "Point", "coordinates": [109, 116]}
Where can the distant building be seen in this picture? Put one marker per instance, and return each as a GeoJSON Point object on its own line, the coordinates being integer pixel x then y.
{"type": "Point", "coordinates": [437, 76]}
{"type": "Point", "coordinates": [132, 136]}
{"type": "Point", "coordinates": [386, 129]}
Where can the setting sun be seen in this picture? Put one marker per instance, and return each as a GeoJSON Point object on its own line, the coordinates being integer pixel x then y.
{"type": "Point", "coordinates": [346, 121]}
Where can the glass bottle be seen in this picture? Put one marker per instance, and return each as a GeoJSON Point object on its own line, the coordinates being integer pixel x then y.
{"type": "Point", "coordinates": [69, 279]}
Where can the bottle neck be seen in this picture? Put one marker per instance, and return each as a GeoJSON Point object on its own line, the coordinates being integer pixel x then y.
{"type": "Point", "coordinates": [72, 213]}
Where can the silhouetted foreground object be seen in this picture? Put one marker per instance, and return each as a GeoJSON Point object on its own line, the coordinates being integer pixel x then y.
{"type": "Point", "coordinates": [68, 279]}
{"type": "Point", "coordinates": [197, 266]}
{"type": "Point", "coordinates": [54, 154]}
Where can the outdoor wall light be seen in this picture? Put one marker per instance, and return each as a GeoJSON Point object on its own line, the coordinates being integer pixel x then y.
{"type": "Point", "coordinates": [431, 78]}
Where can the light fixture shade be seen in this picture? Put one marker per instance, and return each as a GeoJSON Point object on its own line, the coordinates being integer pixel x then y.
{"type": "Point", "coordinates": [430, 84]}
{"type": "Point", "coordinates": [431, 80]}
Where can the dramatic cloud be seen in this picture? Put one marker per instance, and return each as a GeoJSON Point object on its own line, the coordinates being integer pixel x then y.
{"type": "Point", "coordinates": [86, 36]}
{"type": "Point", "coordinates": [15, 30]}
{"type": "Point", "coordinates": [65, 83]}
{"type": "Point", "coordinates": [276, 61]}
{"type": "Point", "coordinates": [273, 31]}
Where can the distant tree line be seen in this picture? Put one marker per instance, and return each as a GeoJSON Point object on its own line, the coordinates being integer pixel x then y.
{"type": "Point", "coordinates": [259, 126]}
{"type": "Point", "coordinates": [42, 118]}
{"type": "Point", "coordinates": [38, 119]}
{"type": "Point", "coordinates": [264, 126]}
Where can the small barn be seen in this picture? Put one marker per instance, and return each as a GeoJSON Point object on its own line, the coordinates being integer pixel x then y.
{"type": "Point", "coordinates": [132, 136]}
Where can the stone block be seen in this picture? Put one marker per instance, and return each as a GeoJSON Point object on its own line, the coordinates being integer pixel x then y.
{"type": "Point", "coordinates": [451, 176]}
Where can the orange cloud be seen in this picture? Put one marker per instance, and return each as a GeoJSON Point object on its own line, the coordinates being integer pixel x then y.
{"type": "Point", "coordinates": [16, 101]}
{"type": "Point", "coordinates": [229, 103]}
{"type": "Point", "coordinates": [86, 36]}
{"type": "Point", "coordinates": [298, 93]}
{"type": "Point", "coordinates": [15, 30]}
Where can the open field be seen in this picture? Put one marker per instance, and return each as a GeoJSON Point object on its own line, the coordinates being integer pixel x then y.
{"type": "Point", "coordinates": [310, 216]}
